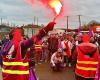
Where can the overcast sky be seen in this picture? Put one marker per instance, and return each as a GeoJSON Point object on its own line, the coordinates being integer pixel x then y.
{"type": "Point", "coordinates": [20, 12]}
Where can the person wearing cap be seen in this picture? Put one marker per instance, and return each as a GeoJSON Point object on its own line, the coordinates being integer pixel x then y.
{"type": "Point", "coordinates": [57, 60]}
{"type": "Point", "coordinates": [87, 59]}
{"type": "Point", "coordinates": [15, 61]}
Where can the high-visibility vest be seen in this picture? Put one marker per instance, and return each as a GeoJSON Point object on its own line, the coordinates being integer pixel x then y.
{"type": "Point", "coordinates": [15, 68]}
{"type": "Point", "coordinates": [68, 51]}
{"type": "Point", "coordinates": [86, 66]}
{"type": "Point", "coordinates": [38, 47]}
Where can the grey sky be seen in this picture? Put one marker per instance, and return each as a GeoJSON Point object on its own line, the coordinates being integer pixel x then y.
{"type": "Point", "coordinates": [19, 12]}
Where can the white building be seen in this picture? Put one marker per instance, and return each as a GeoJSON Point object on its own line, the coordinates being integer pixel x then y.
{"type": "Point", "coordinates": [30, 30]}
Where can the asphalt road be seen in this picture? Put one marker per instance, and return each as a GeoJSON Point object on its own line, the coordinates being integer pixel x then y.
{"type": "Point", "coordinates": [44, 72]}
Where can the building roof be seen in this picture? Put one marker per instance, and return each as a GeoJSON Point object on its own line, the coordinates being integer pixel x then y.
{"type": "Point", "coordinates": [4, 26]}
{"type": "Point", "coordinates": [96, 29]}
{"type": "Point", "coordinates": [32, 26]}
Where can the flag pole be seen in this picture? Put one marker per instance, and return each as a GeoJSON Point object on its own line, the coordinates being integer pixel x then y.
{"type": "Point", "coordinates": [54, 18]}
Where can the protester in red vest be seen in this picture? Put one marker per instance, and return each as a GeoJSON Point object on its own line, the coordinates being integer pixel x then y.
{"type": "Point", "coordinates": [87, 59]}
{"type": "Point", "coordinates": [15, 61]}
{"type": "Point", "coordinates": [38, 52]}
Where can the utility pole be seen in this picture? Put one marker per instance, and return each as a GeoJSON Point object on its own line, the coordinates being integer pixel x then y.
{"type": "Point", "coordinates": [37, 21]}
{"type": "Point", "coordinates": [67, 22]}
{"type": "Point", "coordinates": [1, 21]}
{"type": "Point", "coordinates": [34, 20]}
{"type": "Point", "coordinates": [79, 16]}
{"type": "Point", "coordinates": [8, 23]}
{"type": "Point", "coordinates": [32, 28]}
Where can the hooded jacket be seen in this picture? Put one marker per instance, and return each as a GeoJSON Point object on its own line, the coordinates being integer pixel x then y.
{"type": "Point", "coordinates": [87, 59]}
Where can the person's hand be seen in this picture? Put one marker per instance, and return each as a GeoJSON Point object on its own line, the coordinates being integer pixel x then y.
{"type": "Point", "coordinates": [53, 65]}
{"type": "Point", "coordinates": [50, 26]}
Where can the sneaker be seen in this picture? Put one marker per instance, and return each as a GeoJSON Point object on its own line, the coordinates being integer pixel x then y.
{"type": "Point", "coordinates": [39, 63]}
{"type": "Point", "coordinates": [36, 64]}
{"type": "Point", "coordinates": [45, 61]}
{"type": "Point", "coordinates": [37, 78]}
{"type": "Point", "coordinates": [69, 65]}
{"type": "Point", "coordinates": [64, 65]}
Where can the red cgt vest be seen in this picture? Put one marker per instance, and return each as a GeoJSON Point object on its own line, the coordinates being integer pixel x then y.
{"type": "Point", "coordinates": [15, 68]}
{"type": "Point", "coordinates": [86, 66]}
{"type": "Point", "coordinates": [68, 52]}
{"type": "Point", "coordinates": [38, 47]}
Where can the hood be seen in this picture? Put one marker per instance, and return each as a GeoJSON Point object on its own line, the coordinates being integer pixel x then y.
{"type": "Point", "coordinates": [17, 35]}
{"type": "Point", "coordinates": [87, 48]}
{"type": "Point", "coordinates": [86, 38]}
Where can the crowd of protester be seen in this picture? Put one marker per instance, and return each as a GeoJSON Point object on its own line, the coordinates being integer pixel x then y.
{"type": "Point", "coordinates": [57, 49]}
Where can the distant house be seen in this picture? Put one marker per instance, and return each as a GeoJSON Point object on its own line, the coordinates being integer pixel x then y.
{"type": "Point", "coordinates": [4, 30]}
{"type": "Point", "coordinates": [95, 26]}
{"type": "Point", "coordinates": [96, 29]}
{"type": "Point", "coordinates": [57, 30]}
{"type": "Point", "coordinates": [30, 29]}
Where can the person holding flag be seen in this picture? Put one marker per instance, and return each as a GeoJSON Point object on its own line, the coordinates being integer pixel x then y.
{"type": "Point", "coordinates": [15, 60]}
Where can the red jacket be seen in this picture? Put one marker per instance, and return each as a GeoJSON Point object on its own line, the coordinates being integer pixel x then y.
{"type": "Point", "coordinates": [87, 60]}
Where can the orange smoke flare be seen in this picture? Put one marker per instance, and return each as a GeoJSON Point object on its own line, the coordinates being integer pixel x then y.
{"type": "Point", "coordinates": [56, 4]}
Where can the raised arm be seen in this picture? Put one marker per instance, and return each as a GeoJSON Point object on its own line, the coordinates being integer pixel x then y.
{"type": "Point", "coordinates": [44, 31]}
